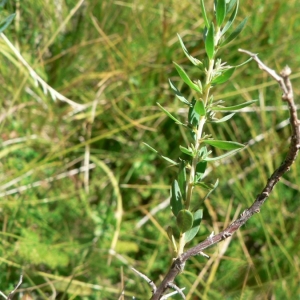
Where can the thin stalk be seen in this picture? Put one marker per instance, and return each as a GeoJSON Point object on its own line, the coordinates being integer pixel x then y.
{"type": "Point", "coordinates": [195, 160]}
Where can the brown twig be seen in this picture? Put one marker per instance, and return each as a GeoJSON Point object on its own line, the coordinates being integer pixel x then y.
{"type": "Point", "coordinates": [286, 86]}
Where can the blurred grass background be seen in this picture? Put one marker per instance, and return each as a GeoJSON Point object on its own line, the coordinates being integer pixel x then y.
{"type": "Point", "coordinates": [75, 185]}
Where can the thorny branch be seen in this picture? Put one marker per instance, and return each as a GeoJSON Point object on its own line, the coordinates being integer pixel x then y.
{"type": "Point", "coordinates": [286, 86]}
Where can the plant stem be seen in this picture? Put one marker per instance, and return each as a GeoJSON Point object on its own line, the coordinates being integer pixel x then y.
{"type": "Point", "coordinates": [195, 160]}
{"type": "Point", "coordinates": [199, 135]}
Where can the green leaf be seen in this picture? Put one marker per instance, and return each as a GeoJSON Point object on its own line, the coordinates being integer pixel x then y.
{"type": "Point", "coordinates": [212, 189]}
{"type": "Point", "coordinates": [182, 179]}
{"type": "Point", "coordinates": [224, 119]}
{"type": "Point", "coordinates": [203, 185]}
{"type": "Point", "coordinates": [200, 85]}
{"type": "Point", "coordinates": [200, 108]}
{"type": "Point", "coordinates": [220, 11]}
{"type": "Point", "coordinates": [176, 198]}
{"type": "Point", "coordinates": [210, 42]}
{"type": "Point", "coordinates": [186, 78]}
{"type": "Point", "coordinates": [6, 22]}
{"type": "Point", "coordinates": [203, 151]}
{"type": "Point", "coordinates": [200, 170]}
{"type": "Point", "coordinates": [178, 94]}
{"type": "Point", "coordinates": [170, 232]}
{"type": "Point", "coordinates": [234, 107]}
{"type": "Point", "coordinates": [224, 145]}
{"type": "Point", "coordinates": [193, 116]}
{"type": "Point", "coordinates": [2, 3]}
{"type": "Point", "coordinates": [186, 151]}
{"type": "Point", "coordinates": [164, 157]}
{"type": "Point", "coordinates": [184, 220]}
{"type": "Point", "coordinates": [169, 160]}
{"type": "Point", "coordinates": [231, 19]}
{"type": "Point", "coordinates": [230, 5]}
{"type": "Point", "coordinates": [230, 153]}
{"type": "Point", "coordinates": [204, 14]}
{"type": "Point", "coordinates": [236, 32]}
{"type": "Point", "coordinates": [245, 62]}
{"type": "Point", "coordinates": [169, 115]}
{"type": "Point", "coordinates": [191, 233]}
{"type": "Point", "coordinates": [152, 149]}
{"type": "Point", "coordinates": [192, 59]}
{"type": "Point", "coordinates": [224, 76]}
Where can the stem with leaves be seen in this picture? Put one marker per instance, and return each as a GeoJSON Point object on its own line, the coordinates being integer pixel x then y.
{"type": "Point", "coordinates": [202, 109]}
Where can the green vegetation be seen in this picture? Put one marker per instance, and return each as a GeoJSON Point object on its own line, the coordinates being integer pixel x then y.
{"type": "Point", "coordinates": [75, 183]}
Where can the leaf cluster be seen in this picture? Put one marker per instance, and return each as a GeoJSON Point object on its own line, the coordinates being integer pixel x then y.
{"type": "Point", "coordinates": [202, 110]}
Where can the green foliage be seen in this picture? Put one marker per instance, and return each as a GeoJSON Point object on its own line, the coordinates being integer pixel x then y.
{"type": "Point", "coordinates": [191, 233]}
{"type": "Point", "coordinates": [116, 57]}
{"type": "Point", "coordinates": [184, 220]}
{"type": "Point", "coordinates": [176, 198]}
{"type": "Point", "coordinates": [6, 22]}
{"type": "Point", "coordinates": [201, 111]}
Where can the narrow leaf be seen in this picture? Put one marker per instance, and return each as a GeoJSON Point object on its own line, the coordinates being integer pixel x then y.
{"type": "Point", "coordinates": [192, 59]}
{"type": "Point", "coordinates": [224, 145]}
{"type": "Point", "coordinates": [210, 42]}
{"type": "Point", "coordinates": [186, 151]}
{"type": "Point", "coordinates": [184, 220]}
{"type": "Point", "coordinates": [169, 232]}
{"type": "Point", "coordinates": [169, 115]}
{"type": "Point", "coordinates": [152, 149]}
{"type": "Point", "coordinates": [204, 14]}
{"type": "Point", "coordinates": [203, 185]}
{"type": "Point", "coordinates": [212, 189]}
{"type": "Point", "coordinates": [176, 198]}
{"type": "Point", "coordinates": [200, 170]}
{"type": "Point", "coordinates": [231, 19]}
{"type": "Point", "coordinates": [171, 237]}
{"type": "Point", "coordinates": [230, 5]}
{"type": "Point", "coordinates": [236, 32]}
{"type": "Point", "coordinates": [224, 76]}
{"type": "Point", "coordinates": [186, 78]}
{"type": "Point", "coordinates": [164, 157]}
{"type": "Point", "coordinates": [228, 154]}
{"type": "Point", "coordinates": [182, 179]}
{"type": "Point", "coordinates": [190, 234]}
{"type": "Point", "coordinates": [2, 3]}
{"type": "Point", "coordinates": [169, 160]}
{"type": "Point", "coordinates": [224, 119]}
{"type": "Point", "coordinates": [205, 31]}
{"type": "Point", "coordinates": [200, 108]}
{"type": "Point", "coordinates": [193, 116]}
{"type": "Point", "coordinates": [6, 22]}
{"type": "Point", "coordinates": [178, 94]}
{"type": "Point", "coordinates": [245, 62]}
{"type": "Point", "coordinates": [203, 151]}
{"type": "Point", "coordinates": [200, 85]}
{"type": "Point", "coordinates": [234, 107]}
{"type": "Point", "coordinates": [220, 11]}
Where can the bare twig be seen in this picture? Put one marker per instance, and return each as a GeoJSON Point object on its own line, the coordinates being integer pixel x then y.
{"type": "Point", "coordinates": [167, 296]}
{"type": "Point", "coordinates": [177, 289]}
{"type": "Point", "coordinates": [285, 85]}
{"type": "Point", "coordinates": [149, 281]}
{"type": "Point", "coordinates": [12, 293]}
